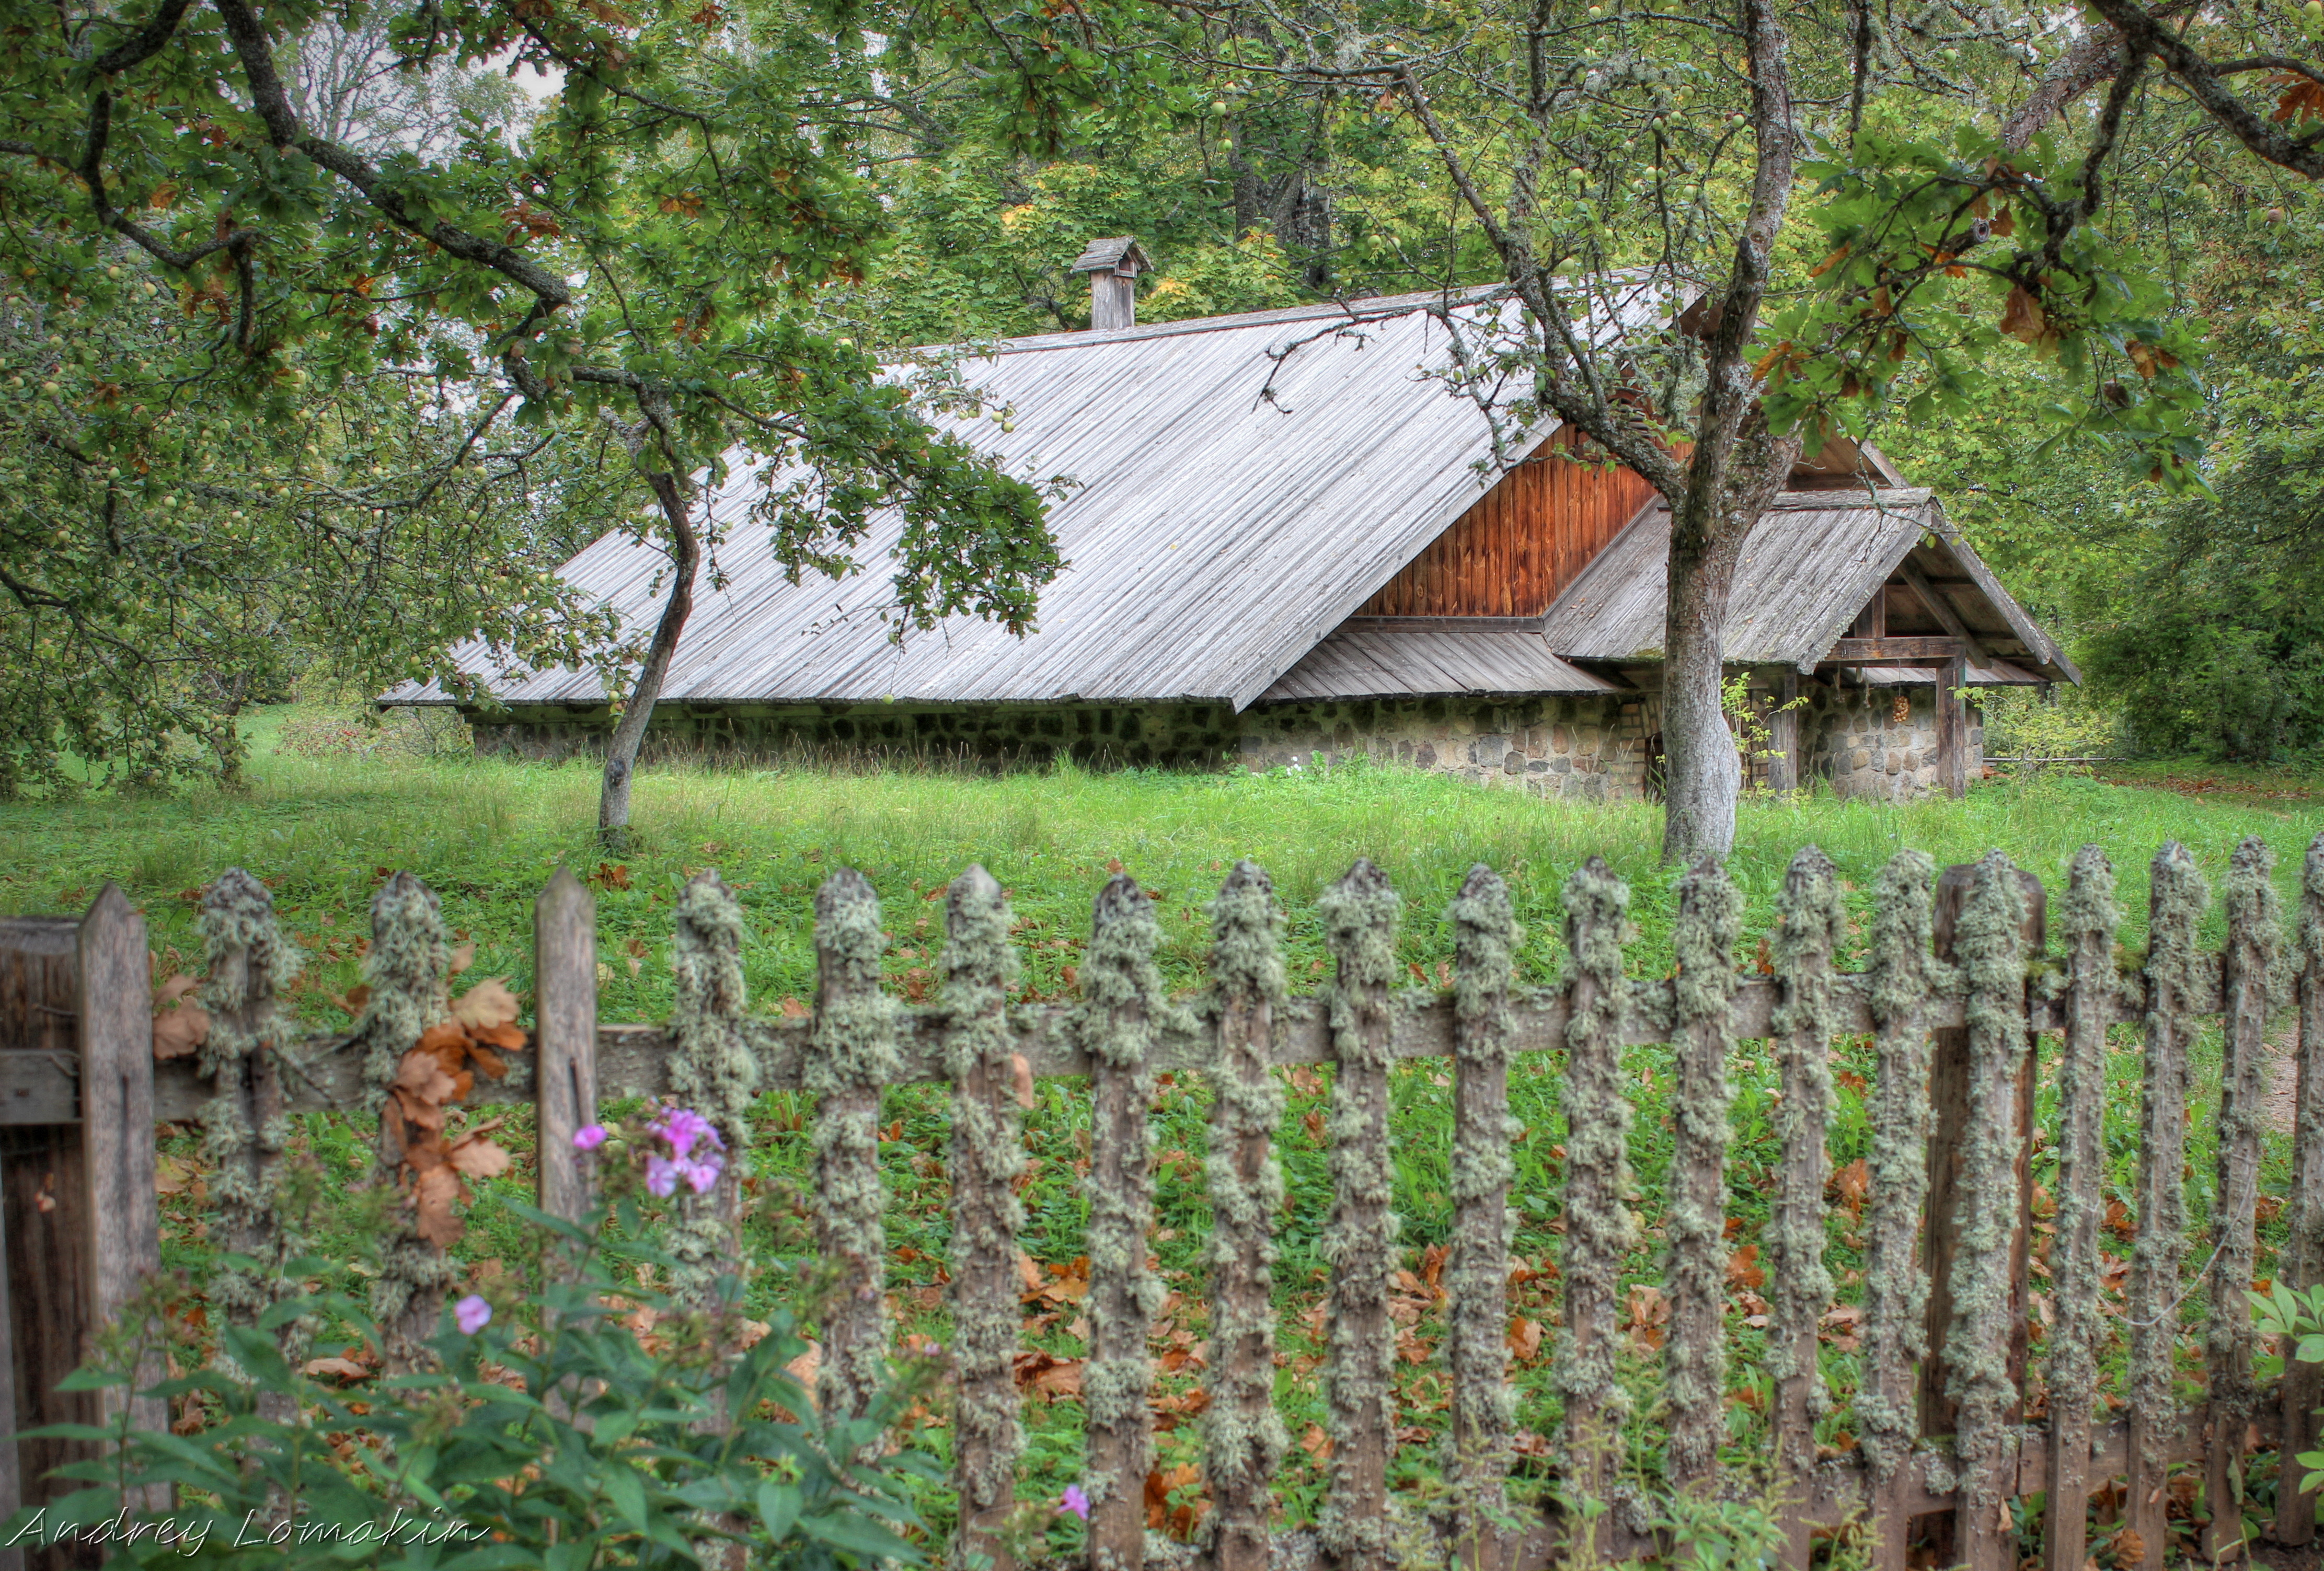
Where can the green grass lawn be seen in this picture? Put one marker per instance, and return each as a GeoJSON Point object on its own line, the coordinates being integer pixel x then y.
{"type": "Point", "coordinates": [487, 833]}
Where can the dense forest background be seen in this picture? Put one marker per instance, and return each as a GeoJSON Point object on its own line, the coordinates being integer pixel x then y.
{"type": "Point", "coordinates": [336, 519]}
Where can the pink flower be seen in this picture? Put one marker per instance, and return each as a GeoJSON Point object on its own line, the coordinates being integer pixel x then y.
{"type": "Point", "coordinates": [682, 1127]}
{"type": "Point", "coordinates": [1075, 1502]}
{"type": "Point", "coordinates": [661, 1175]}
{"type": "Point", "coordinates": [589, 1138]}
{"type": "Point", "coordinates": [472, 1314]}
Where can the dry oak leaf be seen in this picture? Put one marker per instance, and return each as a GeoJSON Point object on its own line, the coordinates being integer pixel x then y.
{"type": "Point", "coordinates": [1744, 1270]}
{"type": "Point", "coordinates": [179, 1025]}
{"type": "Point", "coordinates": [486, 1004]}
{"type": "Point", "coordinates": [346, 1367]}
{"type": "Point", "coordinates": [478, 1157]}
{"type": "Point", "coordinates": [463, 957]}
{"type": "Point", "coordinates": [433, 1197]}
{"type": "Point", "coordinates": [1852, 1185]}
{"type": "Point", "coordinates": [1316, 1443]}
{"type": "Point", "coordinates": [1524, 1338]}
{"type": "Point", "coordinates": [1049, 1375]}
{"type": "Point", "coordinates": [422, 1073]}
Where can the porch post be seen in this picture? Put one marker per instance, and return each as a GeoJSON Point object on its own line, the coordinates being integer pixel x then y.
{"type": "Point", "coordinates": [1953, 728]}
{"type": "Point", "coordinates": [1784, 736]}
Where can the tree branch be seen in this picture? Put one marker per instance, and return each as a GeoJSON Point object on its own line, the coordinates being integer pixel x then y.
{"type": "Point", "coordinates": [2145, 33]}
{"type": "Point", "coordinates": [252, 47]}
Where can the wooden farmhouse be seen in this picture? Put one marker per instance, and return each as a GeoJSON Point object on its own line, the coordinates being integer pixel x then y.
{"type": "Point", "coordinates": [1288, 544]}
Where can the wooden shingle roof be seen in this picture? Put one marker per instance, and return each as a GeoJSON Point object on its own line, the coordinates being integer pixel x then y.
{"type": "Point", "coordinates": [1243, 484]}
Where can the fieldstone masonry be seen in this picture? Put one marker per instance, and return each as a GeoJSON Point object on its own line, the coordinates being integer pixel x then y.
{"type": "Point", "coordinates": [1186, 736]}
{"type": "Point", "coordinates": [1587, 750]}
{"type": "Point", "coordinates": [1571, 749]}
{"type": "Point", "coordinates": [1880, 742]}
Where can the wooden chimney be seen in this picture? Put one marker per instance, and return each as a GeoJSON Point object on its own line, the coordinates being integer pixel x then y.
{"type": "Point", "coordinates": [1113, 266]}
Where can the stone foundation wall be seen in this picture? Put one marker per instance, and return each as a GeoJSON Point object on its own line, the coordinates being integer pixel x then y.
{"type": "Point", "coordinates": [1166, 736]}
{"type": "Point", "coordinates": [1588, 749]}
{"type": "Point", "coordinates": [1868, 744]}
{"type": "Point", "coordinates": [1572, 748]}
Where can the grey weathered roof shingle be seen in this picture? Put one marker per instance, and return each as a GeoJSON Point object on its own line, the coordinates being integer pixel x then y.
{"type": "Point", "coordinates": [1245, 483]}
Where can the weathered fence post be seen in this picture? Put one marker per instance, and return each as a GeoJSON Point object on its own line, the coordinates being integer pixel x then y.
{"type": "Point", "coordinates": [1950, 1075]}
{"type": "Point", "coordinates": [713, 1072]}
{"type": "Point", "coordinates": [853, 1055]}
{"type": "Point", "coordinates": [1598, 1226]}
{"type": "Point", "coordinates": [1810, 921]}
{"type": "Point", "coordinates": [1477, 1275]}
{"type": "Point", "coordinates": [45, 1285]}
{"type": "Point", "coordinates": [1243, 1441]}
{"type": "Point", "coordinates": [244, 1128]}
{"type": "Point", "coordinates": [1694, 1359]}
{"type": "Point", "coordinates": [1990, 942]}
{"type": "Point", "coordinates": [1899, 975]}
{"type": "Point", "coordinates": [2089, 919]}
{"type": "Point", "coordinates": [1360, 919]}
{"type": "Point", "coordinates": [2302, 1263]}
{"type": "Point", "coordinates": [116, 1124]}
{"type": "Point", "coordinates": [564, 1041]}
{"type": "Point", "coordinates": [1120, 1024]}
{"type": "Point", "coordinates": [2247, 975]}
{"type": "Point", "coordinates": [408, 969]}
{"type": "Point", "coordinates": [987, 1155]}
{"type": "Point", "coordinates": [2177, 988]}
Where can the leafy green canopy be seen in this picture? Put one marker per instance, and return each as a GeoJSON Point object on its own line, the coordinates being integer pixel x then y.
{"type": "Point", "coordinates": [649, 269]}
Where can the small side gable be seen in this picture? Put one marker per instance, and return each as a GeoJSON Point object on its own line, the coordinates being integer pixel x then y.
{"type": "Point", "coordinates": [1520, 544]}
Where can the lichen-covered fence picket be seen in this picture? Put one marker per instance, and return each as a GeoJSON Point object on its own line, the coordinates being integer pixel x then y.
{"type": "Point", "coordinates": [1965, 972]}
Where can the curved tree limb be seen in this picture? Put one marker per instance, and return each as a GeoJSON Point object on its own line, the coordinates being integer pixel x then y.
{"type": "Point", "coordinates": [2145, 32]}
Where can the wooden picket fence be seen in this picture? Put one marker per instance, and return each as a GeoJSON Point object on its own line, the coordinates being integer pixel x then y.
{"type": "Point", "coordinates": [1966, 972]}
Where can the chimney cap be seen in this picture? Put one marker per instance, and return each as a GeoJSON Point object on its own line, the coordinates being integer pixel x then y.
{"type": "Point", "coordinates": [1121, 254]}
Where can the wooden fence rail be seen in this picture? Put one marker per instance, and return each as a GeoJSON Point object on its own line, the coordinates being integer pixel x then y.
{"type": "Point", "coordinates": [1961, 983]}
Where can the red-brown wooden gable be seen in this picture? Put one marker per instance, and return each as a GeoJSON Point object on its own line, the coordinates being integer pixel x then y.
{"type": "Point", "coordinates": [1521, 545]}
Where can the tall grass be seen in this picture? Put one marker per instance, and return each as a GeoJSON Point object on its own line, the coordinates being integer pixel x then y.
{"type": "Point", "coordinates": [486, 833]}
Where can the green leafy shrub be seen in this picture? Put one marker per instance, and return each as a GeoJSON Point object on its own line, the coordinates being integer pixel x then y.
{"type": "Point", "coordinates": [588, 1421]}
